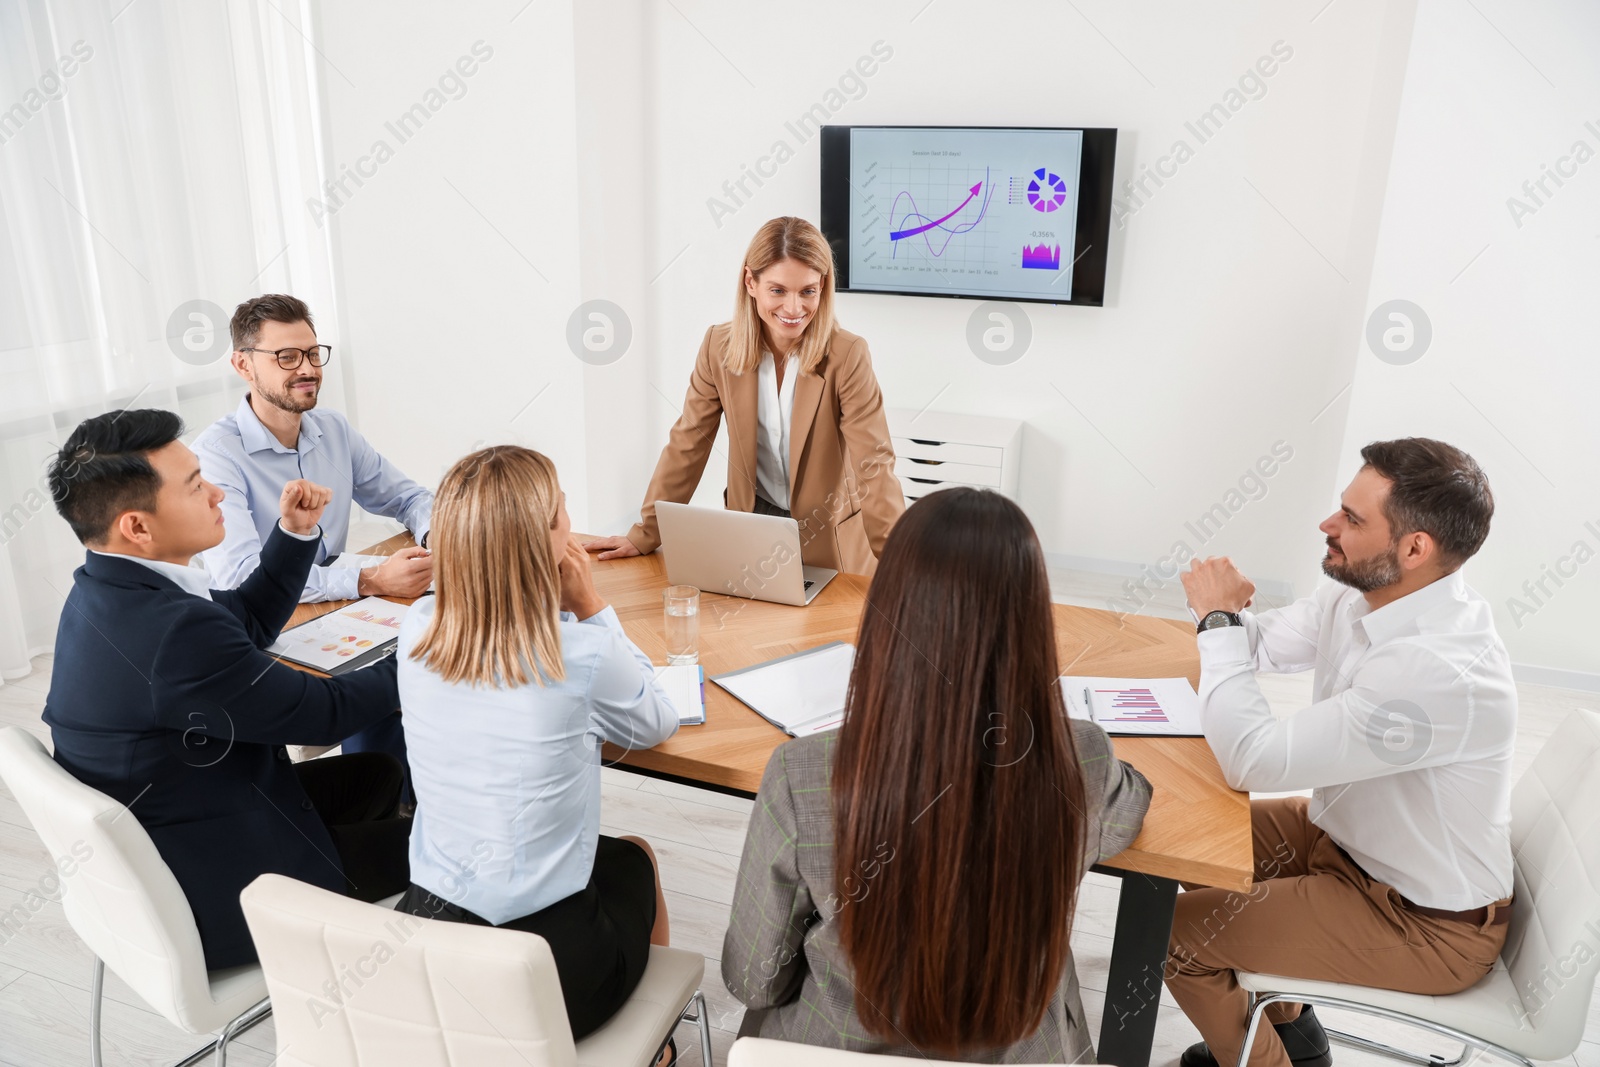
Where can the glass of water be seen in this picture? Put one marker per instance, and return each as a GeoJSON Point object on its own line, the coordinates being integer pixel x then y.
{"type": "Point", "coordinates": [682, 606]}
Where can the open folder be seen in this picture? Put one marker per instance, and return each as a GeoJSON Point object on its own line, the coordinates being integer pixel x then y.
{"type": "Point", "coordinates": [353, 637]}
{"type": "Point", "coordinates": [800, 694]}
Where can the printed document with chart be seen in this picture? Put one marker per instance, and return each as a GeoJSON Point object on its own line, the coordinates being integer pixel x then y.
{"type": "Point", "coordinates": [1135, 707]}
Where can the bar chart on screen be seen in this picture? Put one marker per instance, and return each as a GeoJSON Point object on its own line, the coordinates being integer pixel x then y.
{"type": "Point", "coordinates": [1160, 707]}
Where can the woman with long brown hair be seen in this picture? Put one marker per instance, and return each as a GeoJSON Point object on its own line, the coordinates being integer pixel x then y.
{"type": "Point", "coordinates": [908, 881]}
{"type": "Point", "coordinates": [807, 437]}
{"type": "Point", "coordinates": [511, 677]}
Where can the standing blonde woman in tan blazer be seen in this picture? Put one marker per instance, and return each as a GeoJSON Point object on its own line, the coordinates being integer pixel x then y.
{"type": "Point", "coordinates": [807, 437]}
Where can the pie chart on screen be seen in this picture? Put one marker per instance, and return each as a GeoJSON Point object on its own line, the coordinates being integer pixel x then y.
{"type": "Point", "coordinates": [1046, 191]}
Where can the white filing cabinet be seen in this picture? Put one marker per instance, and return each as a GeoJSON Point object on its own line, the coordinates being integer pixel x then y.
{"type": "Point", "coordinates": [940, 450]}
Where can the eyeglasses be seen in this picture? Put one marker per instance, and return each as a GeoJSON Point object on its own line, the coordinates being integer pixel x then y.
{"type": "Point", "coordinates": [289, 358]}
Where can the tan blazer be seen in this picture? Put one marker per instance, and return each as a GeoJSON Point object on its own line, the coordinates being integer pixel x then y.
{"type": "Point", "coordinates": [842, 485]}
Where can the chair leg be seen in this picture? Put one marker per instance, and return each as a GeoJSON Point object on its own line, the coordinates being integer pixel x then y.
{"type": "Point", "coordinates": [695, 1012]}
{"type": "Point", "coordinates": [1472, 1046]}
{"type": "Point", "coordinates": [1369, 1045]}
{"type": "Point", "coordinates": [97, 987]}
{"type": "Point", "coordinates": [240, 1024]}
{"type": "Point", "coordinates": [244, 1021]}
{"type": "Point", "coordinates": [703, 1017]}
{"type": "Point", "coordinates": [1258, 1005]}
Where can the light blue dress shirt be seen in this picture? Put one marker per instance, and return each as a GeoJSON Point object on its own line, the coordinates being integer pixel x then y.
{"type": "Point", "coordinates": [508, 780]}
{"type": "Point", "coordinates": [241, 457]}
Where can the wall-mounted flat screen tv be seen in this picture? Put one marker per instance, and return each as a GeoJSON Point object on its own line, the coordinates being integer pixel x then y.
{"type": "Point", "coordinates": [983, 212]}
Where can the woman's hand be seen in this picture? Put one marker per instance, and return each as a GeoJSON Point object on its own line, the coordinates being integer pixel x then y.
{"type": "Point", "coordinates": [578, 594]}
{"type": "Point", "coordinates": [611, 547]}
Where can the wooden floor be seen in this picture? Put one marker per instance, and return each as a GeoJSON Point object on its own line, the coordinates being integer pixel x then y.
{"type": "Point", "coordinates": [45, 970]}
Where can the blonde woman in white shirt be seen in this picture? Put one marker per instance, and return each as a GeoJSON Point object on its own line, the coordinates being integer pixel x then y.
{"type": "Point", "coordinates": [510, 678]}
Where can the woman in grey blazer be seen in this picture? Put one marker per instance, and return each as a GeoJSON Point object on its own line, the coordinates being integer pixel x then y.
{"type": "Point", "coordinates": [908, 881]}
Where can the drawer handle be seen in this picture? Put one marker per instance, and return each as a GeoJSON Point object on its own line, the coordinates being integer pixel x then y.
{"type": "Point", "coordinates": [922, 481]}
{"type": "Point", "coordinates": [926, 462]}
{"type": "Point", "coordinates": [918, 441]}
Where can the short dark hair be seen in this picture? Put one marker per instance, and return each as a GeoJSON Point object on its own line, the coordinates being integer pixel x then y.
{"type": "Point", "coordinates": [273, 307]}
{"type": "Point", "coordinates": [1435, 488]}
{"type": "Point", "coordinates": [104, 469]}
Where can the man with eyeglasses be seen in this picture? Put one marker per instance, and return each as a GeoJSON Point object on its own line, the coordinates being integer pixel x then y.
{"type": "Point", "coordinates": [273, 438]}
{"type": "Point", "coordinates": [276, 436]}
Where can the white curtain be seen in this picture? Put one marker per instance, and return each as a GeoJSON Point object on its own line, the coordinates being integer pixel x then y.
{"type": "Point", "coordinates": [156, 157]}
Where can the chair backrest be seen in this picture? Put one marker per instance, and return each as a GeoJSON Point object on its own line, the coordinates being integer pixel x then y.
{"type": "Point", "coordinates": [354, 983]}
{"type": "Point", "coordinates": [764, 1052]}
{"type": "Point", "coordinates": [119, 895]}
{"type": "Point", "coordinates": [1553, 947]}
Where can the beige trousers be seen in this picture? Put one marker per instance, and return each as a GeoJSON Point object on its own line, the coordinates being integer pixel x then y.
{"type": "Point", "coordinates": [1312, 913]}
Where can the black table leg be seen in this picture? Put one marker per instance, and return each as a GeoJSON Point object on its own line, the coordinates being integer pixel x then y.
{"type": "Point", "coordinates": [1138, 956]}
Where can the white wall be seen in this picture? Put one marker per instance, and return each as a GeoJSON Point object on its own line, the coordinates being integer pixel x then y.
{"type": "Point", "coordinates": [1490, 101]}
{"type": "Point", "coordinates": [1225, 330]}
{"type": "Point", "coordinates": [458, 256]}
{"type": "Point", "coordinates": [1375, 164]}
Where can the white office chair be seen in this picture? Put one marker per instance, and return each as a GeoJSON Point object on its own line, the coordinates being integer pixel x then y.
{"type": "Point", "coordinates": [764, 1052]}
{"type": "Point", "coordinates": [356, 983]}
{"type": "Point", "coordinates": [126, 905]}
{"type": "Point", "coordinates": [1534, 1003]}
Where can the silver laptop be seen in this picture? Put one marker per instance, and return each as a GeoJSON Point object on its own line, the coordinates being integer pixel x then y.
{"type": "Point", "coordinates": [737, 553]}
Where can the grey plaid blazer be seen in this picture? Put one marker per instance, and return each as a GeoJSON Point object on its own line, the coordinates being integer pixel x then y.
{"type": "Point", "coordinates": [781, 956]}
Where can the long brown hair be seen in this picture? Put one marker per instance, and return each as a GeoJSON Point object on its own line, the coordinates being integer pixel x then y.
{"type": "Point", "coordinates": [777, 240]}
{"type": "Point", "coordinates": [496, 574]}
{"type": "Point", "coordinates": [956, 762]}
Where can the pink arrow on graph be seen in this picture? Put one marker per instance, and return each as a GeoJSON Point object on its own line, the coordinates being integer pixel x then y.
{"type": "Point", "coordinates": [896, 235]}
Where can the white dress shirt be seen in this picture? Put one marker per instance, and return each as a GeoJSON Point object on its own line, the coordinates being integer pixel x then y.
{"type": "Point", "coordinates": [193, 580]}
{"type": "Point", "coordinates": [508, 780]}
{"type": "Point", "coordinates": [774, 412]}
{"type": "Point", "coordinates": [1407, 748]}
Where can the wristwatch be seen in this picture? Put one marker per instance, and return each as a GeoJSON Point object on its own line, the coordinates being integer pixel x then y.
{"type": "Point", "coordinates": [1215, 620]}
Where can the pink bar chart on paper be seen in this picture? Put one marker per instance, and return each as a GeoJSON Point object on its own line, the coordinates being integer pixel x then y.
{"type": "Point", "coordinates": [1129, 705]}
{"type": "Point", "coordinates": [1133, 707]}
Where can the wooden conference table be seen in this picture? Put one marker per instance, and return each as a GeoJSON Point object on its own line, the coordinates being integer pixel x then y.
{"type": "Point", "coordinates": [1197, 829]}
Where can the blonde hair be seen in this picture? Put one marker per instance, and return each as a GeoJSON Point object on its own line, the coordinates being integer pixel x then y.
{"type": "Point", "coordinates": [780, 239]}
{"type": "Point", "coordinates": [496, 574]}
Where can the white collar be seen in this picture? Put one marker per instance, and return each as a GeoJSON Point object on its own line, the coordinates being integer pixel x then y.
{"type": "Point", "coordinates": [193, 580]}
{"type": "Point", "coordinates": [1398, 616]}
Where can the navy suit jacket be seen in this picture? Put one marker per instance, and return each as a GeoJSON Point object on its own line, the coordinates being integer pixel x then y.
{"type": "Point", "coordinates": [168, 702]}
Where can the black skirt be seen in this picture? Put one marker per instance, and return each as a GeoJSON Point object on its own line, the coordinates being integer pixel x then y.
{"type": "Point", "coordinates": [599, 936]}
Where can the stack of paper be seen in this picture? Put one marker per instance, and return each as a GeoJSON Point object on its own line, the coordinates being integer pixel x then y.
{"type": "Point", "coordinates": [686, 689]}
{"type": "Point", "coordinates": [799, 694]}
{"type": "Point", "coordinates": [1135, 707]}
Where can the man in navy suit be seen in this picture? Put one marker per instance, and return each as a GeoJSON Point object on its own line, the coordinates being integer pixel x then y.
{"type": "Point", "coordinates": [164, 698]}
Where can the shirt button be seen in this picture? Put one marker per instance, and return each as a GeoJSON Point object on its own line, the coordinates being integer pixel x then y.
{"type": "Point", "coordinates": [306, 804]}
{"type": "Point", "coordinates": [283, 753]}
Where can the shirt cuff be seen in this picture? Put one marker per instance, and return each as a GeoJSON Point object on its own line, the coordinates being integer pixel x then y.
{"type": "Point", "coordinates": [341, 583]}
{"type": "Point", "coordinates": [606, 616]}
{"type": "Point", "coordinates": [314, 535]}
{"type": "Point", "coordinates": [1225, 646]}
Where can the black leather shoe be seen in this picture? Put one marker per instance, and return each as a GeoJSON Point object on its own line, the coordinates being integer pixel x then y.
{"type": "Point", "coordinates": [1303, 1039]}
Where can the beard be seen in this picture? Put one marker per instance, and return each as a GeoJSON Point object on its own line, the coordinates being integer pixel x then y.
{"type": "Point", "coordinates": [286, 399]}
{"type": "Point", "coordinates": [1368, 574]}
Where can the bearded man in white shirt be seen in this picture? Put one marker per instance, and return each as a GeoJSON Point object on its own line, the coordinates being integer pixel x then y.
{"type": "Point", "coordinates": [1396, 872]}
